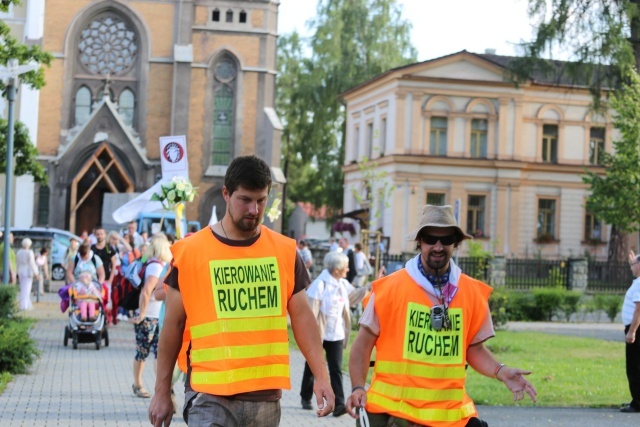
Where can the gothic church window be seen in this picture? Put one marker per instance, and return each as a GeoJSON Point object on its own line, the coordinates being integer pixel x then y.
{"type": "Point", "coordinates": [83, 106]}
{"type": "Point", "coordinates": [229, 17]}
{"type": "Point", "coordinates": [107, 46]}
{"type": "Point", "coordinates": [126, 107]}
{"type": "Point", "coordinates": [224, 87]}
{"type": "Point", "coordinates": [243, 17]}
{"type": "Point", "coordinates": [215, 15]}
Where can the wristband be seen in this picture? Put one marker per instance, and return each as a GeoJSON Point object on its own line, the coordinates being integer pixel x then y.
{"type": "Point", "coordinates": [497, 370]}
{"type": "Point", "coordinates": [358, 387]}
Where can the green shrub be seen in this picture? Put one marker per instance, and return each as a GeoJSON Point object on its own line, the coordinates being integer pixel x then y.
{"type": "Point", "coordinates": [521, 306]}
{"type": "Point", "coordinates": [570, 303]}
{"type": "Point", "coordinates": [17, 349]}
{"type": "Point", "coordinates": [599, 304]}
{"type": "Point", "coordinates": [548, 302]}
{"type": "Point", "coordinates": [8, 305]}
{"type": "Point", "coordinates": [498, 306]}
{"type": "Point", "coordinates": [612, 306]}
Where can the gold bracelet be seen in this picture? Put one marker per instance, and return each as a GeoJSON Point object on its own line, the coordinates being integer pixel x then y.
{"type": "Point", "coordinates": [497, 370]}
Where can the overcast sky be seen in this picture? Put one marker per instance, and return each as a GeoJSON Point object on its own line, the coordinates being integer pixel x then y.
{"type": "Point", "coordinates": [441, 27]}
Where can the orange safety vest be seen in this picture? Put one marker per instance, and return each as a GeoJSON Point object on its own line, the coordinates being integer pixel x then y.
{"type": "Point", "coordinates": [236, 299]}
{"type": "Point", "coordinates": [419, 374]}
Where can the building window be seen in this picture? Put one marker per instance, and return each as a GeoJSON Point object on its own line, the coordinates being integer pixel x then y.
{"type": "Point", "coordinates": [83, 106]}
{"type": "Point", "coordinates": [108, 46]}
{"type": "Point", "coordinates": [436, 199]}
{"type": "Point", "coordinates": [476, 215]}
{"type": "Point", "coordinates": [215, 15]}
{"type": "Point", "coordinates": [592, 228]}
{"type": "Point", "coordinates": [383, 136]}
{"type": "Point", "coordinates": [356, 143]}
{"type": "Point", "coordinates": [223, 111]}
{"type": "Point", "coordinates": [369, 148]}
{"type": "Point", "coordinates": [596, 146]}
{"type": "Point", "coordinates": [438, 137]}
{"type": "Point", "coordinates": [229, 17]}
{"type": "Point", "coordinates": [126, 107]}
{"type": "Point", "coordinates": [479, 128]}
{"type": "Point", "coordinates": [43, 205]}
{"type": "Point", "coordinates": [550, 143]}
{"type": "Point", "coordinates": [546, 220]}
{"type": "Point", "coordinates": [243, 17]}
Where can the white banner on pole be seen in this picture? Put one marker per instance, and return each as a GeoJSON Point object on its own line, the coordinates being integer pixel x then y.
{"type": "Point", "coordinates": [173, 156]}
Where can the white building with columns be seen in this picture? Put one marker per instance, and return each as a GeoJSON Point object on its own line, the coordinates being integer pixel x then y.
{"type": "Point", "coordinates": [456, 130]}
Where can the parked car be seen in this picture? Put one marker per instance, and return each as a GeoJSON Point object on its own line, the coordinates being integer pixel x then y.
{"type": "Point", "coordinates": [57, 240]}
{"type": "Point", "coordinates": [149, 222]}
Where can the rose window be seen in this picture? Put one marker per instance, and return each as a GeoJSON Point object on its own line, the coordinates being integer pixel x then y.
{"type": "Point", "coordinates": [107, 46]}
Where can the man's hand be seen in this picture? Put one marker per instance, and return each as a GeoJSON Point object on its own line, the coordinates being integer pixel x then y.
{"type": "Point", "coordinates": [630, 338]}
{"type": "Point", "coordinates": [161, 410]}
{"type": "Point", "coordinates": [358, 399]}
{"type": "Point", "coordinates": [516, 382]}
{"type": "Point", "coordinates": [324, 397]}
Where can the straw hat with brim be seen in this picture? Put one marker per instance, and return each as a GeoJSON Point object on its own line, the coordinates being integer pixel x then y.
{"type": "Point", "coordinates": [437, 216]}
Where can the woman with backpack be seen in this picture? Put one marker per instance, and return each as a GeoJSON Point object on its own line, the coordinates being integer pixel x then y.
{"type": "Point", "coordinates": [146, 317]}
{"type": "Point", "coordinates": [85, 261]}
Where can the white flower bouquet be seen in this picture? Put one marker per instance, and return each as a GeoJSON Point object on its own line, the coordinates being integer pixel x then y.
{"type": "Point", "coordinates": [178, 190]}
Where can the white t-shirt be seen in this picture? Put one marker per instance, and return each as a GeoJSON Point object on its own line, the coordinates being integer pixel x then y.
{"type": "Point", "coordinates": [153, 308]}
{"type": "Point", "coordinates": [630, 299]}
{"type": "Point", "coordinates": [361, 258]}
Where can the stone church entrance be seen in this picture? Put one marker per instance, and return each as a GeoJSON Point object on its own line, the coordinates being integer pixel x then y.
{"type": "Point", "coordinates": [102, 173]}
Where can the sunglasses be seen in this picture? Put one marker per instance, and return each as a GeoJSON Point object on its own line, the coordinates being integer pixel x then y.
{"type": "Point", "coordinates": [445, 240]}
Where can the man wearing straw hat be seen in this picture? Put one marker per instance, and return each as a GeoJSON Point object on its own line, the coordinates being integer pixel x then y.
{"type": "Point", "coordinates": [427, 321]}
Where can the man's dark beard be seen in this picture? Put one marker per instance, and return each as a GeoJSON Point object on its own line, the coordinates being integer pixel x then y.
{"type": "Point", "coordinates": [437, 265]}
{"type": "Point", "coordinates": [242, 223]}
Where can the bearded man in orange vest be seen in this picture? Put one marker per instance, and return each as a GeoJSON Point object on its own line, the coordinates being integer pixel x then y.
{"type": "Point", "coordinates": [232, 285]}
{"type": "Point", "coordinates": [427, 321]}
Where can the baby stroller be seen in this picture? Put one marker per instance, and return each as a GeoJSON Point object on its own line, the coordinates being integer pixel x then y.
{"type": "Point", "coordinates": [91, 330]}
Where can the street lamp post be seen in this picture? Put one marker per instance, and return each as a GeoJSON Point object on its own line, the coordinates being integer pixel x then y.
{"type": "Point", "coordinates": [10, 73]}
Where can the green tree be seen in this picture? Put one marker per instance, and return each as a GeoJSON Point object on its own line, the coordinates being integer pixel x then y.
{"type": "Point", "coordinates": [352, 41]}
{"type": "Point", "coordinates": [24, 151]}
{"type": "Point", "coordinates": [602, 41]}
{"type": "Point", "coordinates": [615, 196]}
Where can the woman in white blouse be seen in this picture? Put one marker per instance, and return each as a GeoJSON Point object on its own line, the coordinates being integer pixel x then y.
{"type": "Point", "coordinates": [146, 317]}
{"type": "Point", "coordinates": [27, 271]}
{"type": "Point", "coordinates": [330, 297]}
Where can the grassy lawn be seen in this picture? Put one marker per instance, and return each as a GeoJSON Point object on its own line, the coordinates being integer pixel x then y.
{"type": "Point", "coordinates": [567, 371]}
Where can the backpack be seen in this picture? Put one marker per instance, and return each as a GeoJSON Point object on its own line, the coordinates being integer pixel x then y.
{"type": "Point", "coordinates": [132, 282]}
{"type": "Point", "coordinates": [76, 260]}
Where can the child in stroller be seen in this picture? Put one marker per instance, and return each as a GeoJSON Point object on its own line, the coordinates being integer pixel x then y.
{"type": "Point", "coordinates": [86, 294]}
{"type": "Point", "coordinates": [87, 321]}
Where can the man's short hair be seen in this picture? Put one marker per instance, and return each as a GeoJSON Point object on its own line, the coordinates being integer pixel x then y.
{"type": "Point", "coordinates": [250, 172]}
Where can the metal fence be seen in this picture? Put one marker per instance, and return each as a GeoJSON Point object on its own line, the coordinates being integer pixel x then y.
{"type": "Point", "coordinates": [523, 274]}
{"type": "Point", "coordinates": [608, 277]}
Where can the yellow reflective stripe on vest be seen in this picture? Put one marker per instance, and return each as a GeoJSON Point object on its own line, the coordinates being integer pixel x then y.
{"type": "Point", "coordinates": [415, 393]}
{"type": "Point", "coordinates": [450, 415]}
{"type": "Point", "coordinates": [238, 325]}
{"type": "Point", "coordinates": [239, 352]}
{"type": "Point", "coordinates": [414, 370]}
{"type": "Point", "coordinates": [240, 374]}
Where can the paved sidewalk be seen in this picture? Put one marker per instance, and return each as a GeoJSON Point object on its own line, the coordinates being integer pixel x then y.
{"type": "Point", "coordinates": [85, 387]}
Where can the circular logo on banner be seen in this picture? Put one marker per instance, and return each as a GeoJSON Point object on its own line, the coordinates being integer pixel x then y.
{"type": "Point", "coordinates": [173, 152]}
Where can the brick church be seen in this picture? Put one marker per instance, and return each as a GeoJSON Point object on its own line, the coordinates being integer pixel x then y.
{"type": "Point", "coordinates": [128, 72]}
